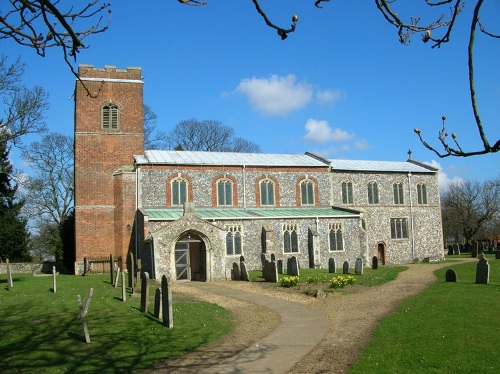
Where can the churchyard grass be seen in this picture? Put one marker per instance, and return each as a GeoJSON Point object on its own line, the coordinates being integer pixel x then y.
{"type": "Point", "coordinates": [369, 277]}
{"type": "Point", "coordinates": [41, 331]}
{"type": "Point", "coordinates": [448, 328]}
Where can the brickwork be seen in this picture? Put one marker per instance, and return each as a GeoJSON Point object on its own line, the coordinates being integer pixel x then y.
{"type": "Point", "coordinates": [100, 152]}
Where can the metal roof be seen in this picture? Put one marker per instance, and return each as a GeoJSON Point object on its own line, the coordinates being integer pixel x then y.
{"type": "Point", "coordinates": [381, 166]}
{"type": "Point", "coordinates": [227, 159]}
{"type": "Point", "coordinates": [172, 214]}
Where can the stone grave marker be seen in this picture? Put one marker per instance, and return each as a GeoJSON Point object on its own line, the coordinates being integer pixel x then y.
{"type": "Point", "coordinates": [451, 276]}
{"type": "Point", "coordinates": [456, 249]}
{"type": "Point", "coordinates": [270, 272]}
{"type": "Point", "coordinates": [280, 266]}
{"type": "Point", "coordinates": [263, 259]}
{"type": "Point", "coordinates": [54, 282]}
{"type": "Point", "coordinates": [450, 249]}
{"type": "Point", "coordinates": [112, 268]}
{"type": "Point", "coordinates": [144, 292]}
{"type": "Point", "coordinates": [244, 272]}
{"type": "Point", "coordinates": [497, 254]}
{"type": "Point", "coordinates": [236, 272]}
{"type": "Point", "coordinates": [475, 249]}
{"type": "Point", "coordinates": [374, 262]}
{"type": "Point", "coordinates": [483, 271]}
{"type": "Point", "coordinates": [116, 277]}
{"type": "Point", "coordinates": [273, 257]}
{"type": "Point", "coordinates": [345, 267]}
{"type": "Point", "coordinates": [131, 267]}
{"type": "Point", "coordinates": [331, 265]}
{"type": "Point", "coordinates": [10, 284]}
{"type": "Point", "coordinates": [358, 266]}
{"type": "Point", "coordinates": [292, 266]}
{"type": "Point", "coordinates": [157, 309]}
{"type": "Point", "coordinates": [124, 288]}
{"type": "Point", "coordinates": [166, 303]}
{"type": "Point", "coordinates": [242, 259]}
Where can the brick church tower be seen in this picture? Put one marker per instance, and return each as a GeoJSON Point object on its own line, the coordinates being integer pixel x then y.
{"type": "Point", "coordinates": [108, 132]}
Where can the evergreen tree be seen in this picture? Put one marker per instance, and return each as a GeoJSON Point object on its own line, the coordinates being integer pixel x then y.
{"type": "Point", "coordinates": [14, 235]}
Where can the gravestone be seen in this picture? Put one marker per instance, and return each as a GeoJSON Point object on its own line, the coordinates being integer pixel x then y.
{"type": "Point", "coordinates": [112, 268]}
{"type": "Point", "coordinates": [166, 303]}
{"type": "Point", "coordinates": [144, 292]}
{"type": "Point", "coordinates": [331, 265]}
{"type": "Point", "coordinates": [374, 262]}
{"type": "Point", "coordinates": [358, 266]}
{"type": "Point", "coordinates": [10, 285]}
{"type": "Point", "coordinates": [124, 288]}
{"type": "Point", "coordinates": [483, 271]}
{"type": "Point", "coordinates": [451, 276]}
{"type": "Point", "coordinates": [280, 266]}
{"type": "Point", "coordinates": [270, 272]}
{"type": "Point", "coordinates": [242, 259]}
{"type": "Point", "coordinates": [292, 266]}
{"type": "Point", "coordinates": [450, 249]}
{"type": "Point", "coordinates": [345, 267]}
{"type": "Point", "coordinates": [456, 249]}
{"type": "Point", "coordinates": [244, 272]}
{"type": "Point", "coordinates": [497, 254]}
{"type": "Point", "coordinates": [131, 267]}
{"type": "Point", "coordinates": [273, 257]}
{"type": "Point", "coordinates": [236, 272]}
{"type": "Point", "coordinates": [475, 249]}
{"type": "Point", "coordinates": [263, 259]}
{"type": "Point", "coordinates": [54, 283]}
{"type": "Point", "coordinates": [117, 276]}
{"type": "Point", "coordinates": [157, 310]}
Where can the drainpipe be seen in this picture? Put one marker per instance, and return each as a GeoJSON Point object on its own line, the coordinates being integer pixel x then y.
{"type": "Point", "coordinates": [411, 219]}
{"type": "Point", "coordinates": [137, 171]}
{"type": "Point", "coordinates": [244, 186]}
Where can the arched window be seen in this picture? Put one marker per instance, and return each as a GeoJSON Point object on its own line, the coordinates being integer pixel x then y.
{"type": "Point", "coordinates": [347, 197]}
{"type": "Point", "coordinates": [290, 238]}
{"type": "Point", "coordinates": [307, 192]}
{"type": "Point", "coordinates": [398, 193]}
{"type": "Point", "coordinates": [233, 240]}
{"type": "Point", "coordinates": [335, 236]}
{"type": "Point", "coordinates": [373, 193]}
{"type": "Point", "coordinates": [421, 193]}
{"type": "Point", "coordinates": [110, 117]}
{"type": "Point", "coordinates": [179, 191]}
{"type": "Point", "coordinates": [267, 192]}
{"type": "Point", "coordinates": [224, 192]}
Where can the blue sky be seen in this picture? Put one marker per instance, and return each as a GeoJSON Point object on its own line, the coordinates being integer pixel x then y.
{"type": "Point", "coordinates": [341, 86]}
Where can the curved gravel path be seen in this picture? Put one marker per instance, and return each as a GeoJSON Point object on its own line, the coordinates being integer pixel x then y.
{"type": "Point", "coordinates": [349, 321]}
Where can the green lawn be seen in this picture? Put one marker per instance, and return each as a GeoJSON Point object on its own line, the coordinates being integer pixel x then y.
{"type": "Point", "coordinates": [448, 328]}
{"type": "Point", "coordinates": [41, 332]}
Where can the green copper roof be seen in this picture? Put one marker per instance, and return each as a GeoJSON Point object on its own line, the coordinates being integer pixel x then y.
{"type": "Point", "coordinates": [168, 214]}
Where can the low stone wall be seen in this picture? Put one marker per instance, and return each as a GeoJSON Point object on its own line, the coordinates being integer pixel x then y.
{"type": "Point", "coordinates": [26, 267]}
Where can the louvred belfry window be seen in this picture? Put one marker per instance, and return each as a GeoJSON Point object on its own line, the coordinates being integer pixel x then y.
{"type": "Point", "coordinates": [110, 117]}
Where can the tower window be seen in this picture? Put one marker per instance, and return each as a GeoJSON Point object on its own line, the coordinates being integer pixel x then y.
{"type": "Point", "coordinates": [110, 117]}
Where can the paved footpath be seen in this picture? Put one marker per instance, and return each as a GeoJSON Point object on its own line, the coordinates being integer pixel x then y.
{"type": "Point", "coordinates": [300, 330]}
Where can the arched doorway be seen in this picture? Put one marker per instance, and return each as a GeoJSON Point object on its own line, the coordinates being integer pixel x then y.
{"type": "Point", "coordinates": [381, 253]}
{"type": "Point", "coordinates": [190, 258]}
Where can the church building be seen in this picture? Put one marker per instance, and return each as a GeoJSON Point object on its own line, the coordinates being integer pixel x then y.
{"type": "Point", "coordinates": [189, 215]}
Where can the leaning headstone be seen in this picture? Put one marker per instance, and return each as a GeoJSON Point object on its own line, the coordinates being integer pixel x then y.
{"type": "Point", "coordinates": [54, 283]}
{"type": "Point", "coordinates": [331, 265]}
{"type": "Point", "coordinates": [244, 272]}
{"type": "Point", "coordinates": [144, 292]}
{"type": "Point", "coordinates": [374, 262]}
{"type": "Point", "coordinates": [279, 264]}
{"type": "Point", "coordinates": [157, 310]}
{"type": "Point", "coordinates": [456, 249]}
{"type": "Point", "coordinates": [116, 277]}
{"type": "Point", "coordinates": [483, 271]}
{"type": "Point", "coordinates": [451, 276]}
{"type": "Point", "coordinates": [10, 285]}
{"type": "Point", "coordinates": [345, 267]}
{"type": "Point", "coordinates": [292, 267]}
{"type": "Point", "coordinates": [166, 303]}
{"type": "Point", "coordinates": [236, 272]}
{"type": "Point", "coordinates": [358, 266]}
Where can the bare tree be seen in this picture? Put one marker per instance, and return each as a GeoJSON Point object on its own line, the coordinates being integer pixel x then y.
{"type": "Point", "coordinates": [43, 24]}
{"type": "Point", "coordinates": [149, 121]}
{"type": "Point", "coordinates": [207, 135]}
{"type": "Point", "coordinates": [23, 108]}
{"type": "Point", "coordinates": [49, 195]}
{"type": "Point", "coordinates": [470, 206]}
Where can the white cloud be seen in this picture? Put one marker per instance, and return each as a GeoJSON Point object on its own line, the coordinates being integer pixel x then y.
{"type": "Point", "coordinates": [276, 95]}
{"type": "Point", "coordinates": [319, 131]}
{"type": "Point", "coordinates": [443, 179]}
{"type": "Point", "coordinates": [328, 96]}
